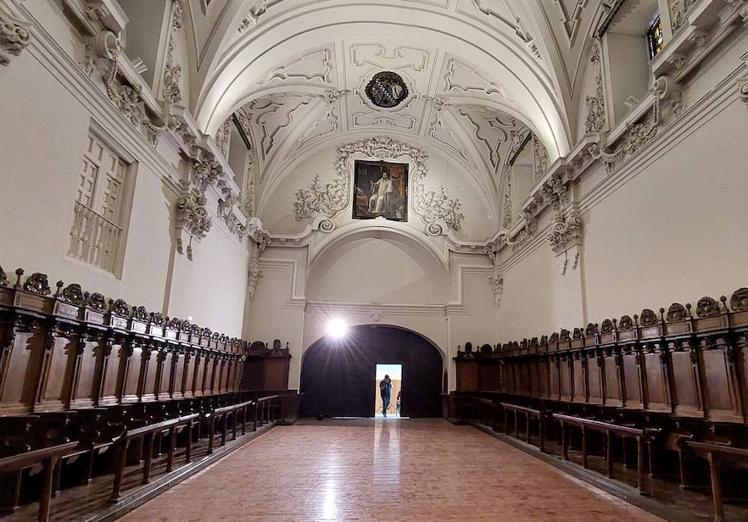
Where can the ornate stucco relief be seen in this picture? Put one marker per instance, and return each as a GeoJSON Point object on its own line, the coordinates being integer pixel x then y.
{"type": "Point", "coordinates": [539, 160]}
{"type": "Point", "coordinates": [315, 66]}
{"type": "Point", "coordinates": [514, 24]}
{"type": "Point", "coordinates": [571, 19]}
{"type": "Point", "coordinates": [496, 283]}
{"type": "Point", "coordinates": [171, 88]}
{"type": "Point", "coordinates": [641, 132]}
{"type": "Point", "coordinates": [433, 206]}
{"type": "Point", "coordinates": [461, 78]}
{"type": "Point", "coordinates": [254, 13]}
{"type": "Point", "coordinates": [14, 37]}
{"type": "Point", "coordinates": [743, 89]}
{"type": "Point", "coordinates": [678, 11]}
{"type": "Point", "coordinates": [596, 117]}
{"type": "Point", "coordinates": [506, 200]}
{"type": "Point", "coordinates": [191, 217]}
{"type": "Point", "coordinates": [254, 274]}
{"type": "Point", "coordinates": [565, 232]}
{"type": "Point", "coordinates": [227, 204]}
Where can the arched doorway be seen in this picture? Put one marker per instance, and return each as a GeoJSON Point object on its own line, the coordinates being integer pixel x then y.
{"type": "Point", "coordinates": [337, 376]}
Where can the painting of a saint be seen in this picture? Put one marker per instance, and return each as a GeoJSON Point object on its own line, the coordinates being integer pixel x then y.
{"type": "Point", "coordinates": [381, 190]}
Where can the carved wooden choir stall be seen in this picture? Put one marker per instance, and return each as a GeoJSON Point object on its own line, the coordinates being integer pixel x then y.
{"type": "Point", "coordinates": [90, 389]}
{"type": "Point", "coordinates": [670, 386]}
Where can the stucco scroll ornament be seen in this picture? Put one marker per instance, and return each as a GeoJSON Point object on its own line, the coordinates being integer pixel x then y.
{"type": "Point", "coordinates": [517, 241]}
{"type": "Point", "coordinates": [743, 89]}
{"type": "Point", "coordinates": [596, 119]}
{"type": "Point", "coordinates": [678, 10]}
{"type": "Point", "coordinates": [257, 232]}
{"type": "Point", "coordinates": [192, 217]}
{"type": "Point", "coordinates": [496, 282]}
{"type": "Point", "coordinates": [566, 232]}
{"type": "Point", "coordinates": [254, 275]}
{"type": "Point", "coordinates": [172, 92]}
{"type": "Point", "coordinates": [226, 205]}
{"type": "Point", "coordinates": [14, 37]}
{"type": "Point", "coordinates": [515, 25]}
{"type": "Point", "coordinates": [255, 12]}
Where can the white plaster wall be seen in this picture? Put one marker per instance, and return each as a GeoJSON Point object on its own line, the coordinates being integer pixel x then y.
{"type": "Point", "coordinates": [42, 140]}
{"type": "Point", "coordinates": [676, 231]}
{"type": "Point", "coordinates": [372, 270]}
{"type": "Point", "coordinates": [42, 158]}
{"type": "Point", "coordinates": [277, 311]}
{"type": "Point", "coordinates": [538, 298]}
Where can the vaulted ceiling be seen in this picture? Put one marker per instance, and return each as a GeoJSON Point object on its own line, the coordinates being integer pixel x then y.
{"type": "Point", "coordinates": [480, 74]}
{"type": "Point", "coordinates": [320, 95]}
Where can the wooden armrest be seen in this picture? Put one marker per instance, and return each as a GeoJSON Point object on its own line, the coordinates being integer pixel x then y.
{"type": "Point", "coordinates": [30, 458]}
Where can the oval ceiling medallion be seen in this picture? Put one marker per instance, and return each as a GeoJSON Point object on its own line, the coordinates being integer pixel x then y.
{"type": "Point", "coordinates": [386, 89]}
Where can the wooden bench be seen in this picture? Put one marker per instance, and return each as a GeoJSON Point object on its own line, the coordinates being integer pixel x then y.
{"type": "Point", "coordinates": [528, 413]}
{"type": "Point", "coordinates": [716, 455]}
{"type": "Point", "coordinates": [48, 458]}
{"type": "Point", "coordinates": [147, 434]}
{"type": "Point", "coordinates": [641, 436]}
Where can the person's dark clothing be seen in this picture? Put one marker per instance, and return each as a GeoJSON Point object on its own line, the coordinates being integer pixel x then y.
{"type": "Point", "coordinates": [385, 391]}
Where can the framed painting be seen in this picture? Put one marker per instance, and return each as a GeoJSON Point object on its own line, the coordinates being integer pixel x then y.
{"type": "Point", "coordinates": [380, 189]}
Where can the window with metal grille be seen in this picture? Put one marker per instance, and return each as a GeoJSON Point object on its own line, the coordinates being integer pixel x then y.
{"type": "Point", "coordinates": [96, 234]}
{"type": "Point", "coordinates": [654, 37]}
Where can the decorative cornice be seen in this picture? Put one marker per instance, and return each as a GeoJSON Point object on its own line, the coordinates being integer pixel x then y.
{"type": "Point", "coordinates": [370, 309]}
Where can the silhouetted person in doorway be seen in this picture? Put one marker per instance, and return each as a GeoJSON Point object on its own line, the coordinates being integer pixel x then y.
{"type": "Point", "coordinates": [385, 391]}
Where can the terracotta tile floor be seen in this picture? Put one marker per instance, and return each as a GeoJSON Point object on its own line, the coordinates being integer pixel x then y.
{"type": "Point", "coordinates": [382, 470]}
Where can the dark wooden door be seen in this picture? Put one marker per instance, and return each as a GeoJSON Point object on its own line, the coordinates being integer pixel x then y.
{"type": "Point", "coordinates": [337, 377]}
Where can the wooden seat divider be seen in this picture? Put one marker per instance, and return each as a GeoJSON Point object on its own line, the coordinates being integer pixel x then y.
{"type": "Point", "coordinates": [265, 409]}
{"type": "Point", "coordinates": [528, 413]}
{"type": "Point", "coordinates": [223, 414]}
{"type": "Point", "coordinates": [717, 455]}
{"type": "Point", "coordinates": [641, 436]}
{"type": "Point", "coordinates": [148, 433]}
{"type": "Point", "coordinates": [48, 458]}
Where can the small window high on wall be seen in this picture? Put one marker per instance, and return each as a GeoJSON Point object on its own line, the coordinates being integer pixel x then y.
{"type": "Point", "coordinates": [101, 206]}
{"type": "Point", "coordinates": [654, 37]}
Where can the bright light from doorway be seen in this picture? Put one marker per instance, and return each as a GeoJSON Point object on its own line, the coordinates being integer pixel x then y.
{"type": "Point", "coordinates": [337, 328]}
